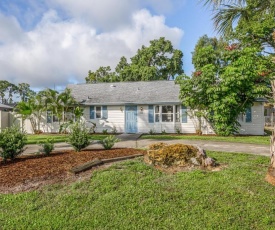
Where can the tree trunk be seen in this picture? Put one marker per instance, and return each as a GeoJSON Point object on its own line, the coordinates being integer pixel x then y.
{"type": "Point", "coordinates": [270, 177]}
{"type": "Point", "coordinates": [273, 97]}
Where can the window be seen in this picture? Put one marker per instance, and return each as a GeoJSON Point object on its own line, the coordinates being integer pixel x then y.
{"type": "Point", "coordinates": [55, 118]}
{"type": "Point", "coordinates": [177, 117]}
{"type": "Point", "coordinates": [157, 113]}
{"type": "Point", "coordinates": [49, 116]}
{"type": "Point", "coordinates": [167, 113]}
{"type": "Point", "coordinates": [248, 115]}
{"type": "Point", "coordinates": [98, 112]}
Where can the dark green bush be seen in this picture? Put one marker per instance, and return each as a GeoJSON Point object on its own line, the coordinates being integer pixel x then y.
{"type": "Point", "coordinates": [78, 136]}
{"type": "Point", "coordinates": [12, 142]}
{"type": "Point", "coordinates": [109, 142]}
{"type": "Point", "coordinates": [47, 147]}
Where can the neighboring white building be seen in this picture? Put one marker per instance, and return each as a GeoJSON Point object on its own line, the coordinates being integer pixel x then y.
{"type": "Point", "coordinates": [5, 116]}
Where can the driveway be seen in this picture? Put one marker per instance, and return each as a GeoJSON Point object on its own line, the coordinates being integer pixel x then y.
{"type": "Point", "coordinates": [133, 141]}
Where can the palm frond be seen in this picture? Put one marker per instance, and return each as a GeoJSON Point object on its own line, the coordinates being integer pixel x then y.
{"type": "Point", "coordinates": [217, 3]}
{"type": "Point", "coordinates": [226, 18]}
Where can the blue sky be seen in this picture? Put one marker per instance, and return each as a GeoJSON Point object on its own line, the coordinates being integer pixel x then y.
{"type": "Point", "coordinates": [50, 43]}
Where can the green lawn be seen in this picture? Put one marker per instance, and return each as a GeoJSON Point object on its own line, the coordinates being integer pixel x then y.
{"type": "Point", "coordinates": [241, 139]}
{"type": "Point", "coordinates": [132, 195]}
{"type": "Point", "coordinates": [35, 138]}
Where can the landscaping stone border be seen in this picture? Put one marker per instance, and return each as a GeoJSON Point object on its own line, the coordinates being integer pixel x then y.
{"type": "Point", "coordinates": [98, 162]}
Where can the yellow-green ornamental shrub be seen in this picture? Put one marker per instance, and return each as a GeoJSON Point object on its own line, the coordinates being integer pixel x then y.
{"type": "Point", "coordinates": [78, 136]}
{"type": "Point", "coordinates": [176, 154]}
{"type": "Point", "coordinates": [109, 142]}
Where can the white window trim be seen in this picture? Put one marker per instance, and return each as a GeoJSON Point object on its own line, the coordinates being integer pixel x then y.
{"type": "Point", "coordinates": [100, 112]}
{"type": "Point", "coordinates": [160, 114]}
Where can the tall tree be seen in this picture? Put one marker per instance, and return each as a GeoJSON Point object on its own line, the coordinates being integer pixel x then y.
{"type": "Point", "coordinates": [24, 91]}
{"type": "Point", "coordinates": [252, 22]}
{"type": "Point", "coordinates": [103, 74]}
{"type": "Point", "coordinates": [226, 82]}
{"type": "Point", "coordinates": [4, 89]}
{"type": "Point", "coordinates": [158, 61]}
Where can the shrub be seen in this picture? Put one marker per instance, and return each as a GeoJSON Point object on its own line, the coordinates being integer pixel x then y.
{"type": "Point", "coordinates": [152, 132]}
{"type": "Point", "coordinates": [109, 142]}
{"type": "Point", "coordinates": [178, 131]}
{"type": "Point", "coordinates": [78, 136]}
{"type": "Point", "coordinates": [47, 147]}
{"type": "Point", "coordinates": [105, 131]}
{"type": "Point", "coordinates": [163, 132]}
{"type": "Point", "coordinates": [12, 142]}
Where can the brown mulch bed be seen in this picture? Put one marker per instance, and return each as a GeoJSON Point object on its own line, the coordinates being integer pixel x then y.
{"type": "Point", "coordinates": [31, 172]}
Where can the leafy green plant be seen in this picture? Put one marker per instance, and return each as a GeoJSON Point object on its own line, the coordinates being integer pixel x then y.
{"type": "Point", "coordinates": [114, 130]}
{"type": "Point", "coordinates": [178, 131]}
{"type": "Point", "coordinates": [105, 131]}
{"type": "Point", "coordinates": [12, 142]}
{"type": "Point", "coordinates": [64, 127]}
{"type": "Point", "coordinates": [78, 136]}
{"type": "Point", "coordinates": [152, 132]}
{"type": "Point", "coordinates": [93, 127]}
{"type": "Point", "coordinates": [109, 142]}
{"type": "Point", "coordinates": [163, 132]}
{"type": "Point", "coordinates": [47, 147]}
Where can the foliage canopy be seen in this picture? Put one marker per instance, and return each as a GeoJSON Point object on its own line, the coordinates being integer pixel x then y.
{"type": "Point", "coordinates": [159, 61]}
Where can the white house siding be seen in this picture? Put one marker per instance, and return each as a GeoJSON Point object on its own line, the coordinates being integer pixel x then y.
{"type": "Point", "coordinates": [6, 119]}
{"type": "Point", "coordinates": [256, 126]}
{"type": "Point", "coordinates": [169, 127]}
{"type": "Point", "coordinates": [52, 127]}
{"type": "Point", "coordinates": [115, 119]}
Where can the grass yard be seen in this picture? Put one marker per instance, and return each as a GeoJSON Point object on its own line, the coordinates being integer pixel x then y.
{"type": "Point", "coordinates": [35, 138]}
{"type": "Point", "coordinates": [265, 140]}
{"type": "Point", "coordinates": [132, 195]}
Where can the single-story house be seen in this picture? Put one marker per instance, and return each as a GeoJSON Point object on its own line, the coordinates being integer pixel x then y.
{"type": "Point", "coordinates": [141, 107]}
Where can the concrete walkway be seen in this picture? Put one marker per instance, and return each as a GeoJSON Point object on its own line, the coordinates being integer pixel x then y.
{"type": "Point", "coordinates": [133, 141]}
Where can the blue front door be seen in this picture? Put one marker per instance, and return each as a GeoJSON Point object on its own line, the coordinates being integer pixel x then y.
{"type": "Point", "coordinates": [131, 119]}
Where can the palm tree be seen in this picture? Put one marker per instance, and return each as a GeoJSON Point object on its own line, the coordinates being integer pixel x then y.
{"type": "Point", "coordinates": [33, 110]}
{"type": "Point", "coordinates": [227, 13]}
{"type": "Point", "coordinates": [58, 103]}
{"type": "Point", "coordinates": [66, 100]}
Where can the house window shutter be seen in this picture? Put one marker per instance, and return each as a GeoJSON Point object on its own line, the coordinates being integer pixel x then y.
{"type": "Point", "coordinates": [183, 114]}
{"type": "Point", "coordinates": [151, 114]}
{"type": "Point", "coordinates": [92, 112]}
{"type": "Point", "coordinates": [248, 115]}
{"type": "Point", "coordinates": [104, 112]}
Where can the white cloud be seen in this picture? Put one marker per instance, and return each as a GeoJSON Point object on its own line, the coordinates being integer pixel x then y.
{"type": "Point", "coordinates": [110, 14]}
{"type": "Point", "coordinates": [10, 29]}
{"type": "Point", "coordinates": [59, 51]}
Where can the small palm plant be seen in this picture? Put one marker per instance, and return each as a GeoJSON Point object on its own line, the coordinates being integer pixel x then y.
{"type": "Point", "coordinates": [109, 142]}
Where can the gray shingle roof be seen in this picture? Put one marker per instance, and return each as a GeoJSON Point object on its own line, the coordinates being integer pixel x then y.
{"type": "Point", "coordinates": [5, 107]}
{"type": "Point", "coordinates": [119, 93]}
